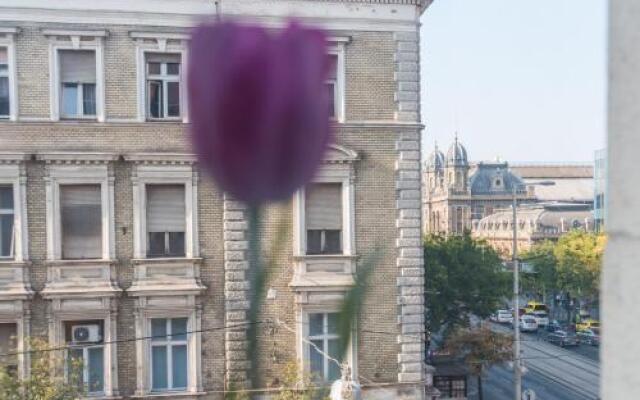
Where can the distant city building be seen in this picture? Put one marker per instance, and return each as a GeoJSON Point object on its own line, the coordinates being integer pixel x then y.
{"type": "Point", "coordinates": [535, 223]}
{"type": "Point", "coordinates": [459, 195]}
{"type": "Point", "coordinates": [600, 189]}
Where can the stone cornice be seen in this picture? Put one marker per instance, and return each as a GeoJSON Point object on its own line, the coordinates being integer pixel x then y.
{"type": "Point", "coordinates": [13, 158]}
{"type": "Point", "coordinates": [161, 158]}
{"type": "Point", "coordinates": [76, 157]}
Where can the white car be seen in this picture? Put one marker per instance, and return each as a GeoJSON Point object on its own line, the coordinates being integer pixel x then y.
{"type": "Point", "coordinates": [504, 316]}
{"type": "Point", "coordinates": [541, 317]}
{"type": "Point", "coordinates": [528, 324]}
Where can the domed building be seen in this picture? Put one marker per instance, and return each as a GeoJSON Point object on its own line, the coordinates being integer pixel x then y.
{"type": "Point", "coordinates": [457, 194]}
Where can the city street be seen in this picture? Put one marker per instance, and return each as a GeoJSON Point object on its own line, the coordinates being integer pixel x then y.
{"type": "Point", "coordinates": [554, 373]}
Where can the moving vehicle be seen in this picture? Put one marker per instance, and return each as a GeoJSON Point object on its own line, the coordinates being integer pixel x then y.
{"type": "Point", "coordinates": [587, 324]}
{"type": "Point", "coordinates": [528, 324]}
{"type": "Point", "coordinates": [589, 336]}
{"type": "Point", "coordinates": [562, 338]}
{"type": "Point", "coordinates": [534, 306]}
{"type": "Point", "coordinates": [554, 326]}
{"type": "Point", "coordinates": [542, 318]}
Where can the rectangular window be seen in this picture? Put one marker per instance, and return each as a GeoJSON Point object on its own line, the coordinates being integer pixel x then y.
{"type": "Point", "coordinates": [77, 83]}
{"type": "Point", "coordinates": [7, 217]}
{"type": "Point", "coordinates": [323, 210]}
{"type": "Point", "coordinates": [4, 83]}
{"type": "Point", "coordinates": [332, 83]}
{"type": "Point", "coordinates": [163, 85]}
{"type": "Point", "coordinates": [323, 341]}
{"type": "Point", "coordinates": [8, 342]}
{"type": "Point", "coordinates": [81, 221]}
{"type": "Point", "coordinates": [85, 357]}
{"type": "Point", "coordinates": [168, 354]}
{"type": "Point", "coordinates": [166, 220]}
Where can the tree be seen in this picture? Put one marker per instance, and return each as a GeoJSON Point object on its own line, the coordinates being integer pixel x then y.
{"type": "Point", "coordinates": [463, 277]}
{"type": "Point", "coordinates": [46, 379]}
{"type": "Point", "coordinates": [544, 279]}
{"type": "Point", "coordinates": [481, 348]}
{"type": "Point", "coordinates": [579, 261]}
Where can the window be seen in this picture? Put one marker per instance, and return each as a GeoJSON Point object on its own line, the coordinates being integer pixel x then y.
{"type": "Point", "coordinates": [85, 356]}
{"type": "Point", "coordinates": [168, 354]}
{"type": "Point", "coordinates": [78, 83]}
{"type": "Point", "coordinates": [8, 344]}
{"type": "Point", "coordinates": [323, 336]}
{"type": "Point", "coordinates": [4, 82]}
{"type": "Point", "coordinates": [163, 85]}
{"type": "Point", "coordinates": [81, 221]}
{"type": "Point", "coordinates": [166, 220]}
{"type": "Point", "coordinates": [7, 237]}
{"type": "Point", "coordinates": [332, 85]}
{"type": "Point", "coordinates": [324, 218]}
{"type": "Point", "coordinates": [477, 212]}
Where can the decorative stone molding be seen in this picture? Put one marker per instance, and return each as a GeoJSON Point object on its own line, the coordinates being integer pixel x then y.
{"type": "Point", "coordinates": [410, 262]}
{"type": "Point", "coordinates": [80, 278]}
{"type": "Point", "coordinates": [236, 293]}
{"type": "Point", "coordinates": [407, 76]}
{"type": "Point", "coordinates": [161, 276]}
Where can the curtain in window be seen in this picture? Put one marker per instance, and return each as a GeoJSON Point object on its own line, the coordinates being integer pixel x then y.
{"type": "Point", "coordinates": [165, 208]}
{"type": "Point", "coordinates": [77, 66]}
{"type": "Point", "coordinates": [324, 206]}
{"type": "Point", "coordinates": [81, 217]}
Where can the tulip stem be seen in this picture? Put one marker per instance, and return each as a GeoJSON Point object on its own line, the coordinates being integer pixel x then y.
{"type": "Point", "coordinates": [257, 275]}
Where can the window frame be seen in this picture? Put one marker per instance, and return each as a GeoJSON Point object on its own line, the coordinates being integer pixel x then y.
{"type": "Point", "coordinates": [325, 336]}
{"type": "Point", "coordinates": [80, 100]}
{"type": "Point", "coordinates": [337, 47]}
{"type": "Point", "coordinates": [160, 43]}
{"type": "Point", "coordinates": [164, 79]}
{"type": "Point", "coordinates": [10, 211]}
{"type": "Point", "coordinates": [7, 35]}
{"type": "Point", "coordinates": [85, 365]}
{"type": "Point", "coordinates": [167, 235]}
{"type": "Point", "coordinates": [64, 174]}
{"type": "Point", "coordinates": [75, 40]}
{"type": "Point", "coordinates": [169, 344]}
{"type": "Point", "coordinates": [303, 348]}
{"type": "Point", "coordinates": [14, 175]}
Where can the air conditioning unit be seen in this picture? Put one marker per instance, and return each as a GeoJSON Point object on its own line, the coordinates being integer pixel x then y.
{"type": "Point", "coordinates": [86, 333]}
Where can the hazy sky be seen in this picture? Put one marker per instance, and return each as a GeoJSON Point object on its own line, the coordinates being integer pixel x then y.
{"type": "Point", "coordinates": [522, 80]}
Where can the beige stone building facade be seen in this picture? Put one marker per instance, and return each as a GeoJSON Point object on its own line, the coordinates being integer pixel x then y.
{"type": "Point", "coordinates": [114, 245]}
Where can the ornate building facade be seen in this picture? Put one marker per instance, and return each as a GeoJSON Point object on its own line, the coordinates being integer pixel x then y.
{"type": "Point", "coordinates": [114, 245]}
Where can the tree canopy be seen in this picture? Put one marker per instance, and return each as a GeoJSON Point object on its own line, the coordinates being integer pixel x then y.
{"type": "Point", "coordinates": [463, 277]}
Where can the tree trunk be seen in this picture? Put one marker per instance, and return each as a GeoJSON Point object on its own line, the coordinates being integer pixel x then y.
{"type": "Point", "coordinates": [480, 397]}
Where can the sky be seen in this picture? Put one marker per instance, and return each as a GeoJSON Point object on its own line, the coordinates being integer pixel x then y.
{"type": "Point", "coordinates": [521, 80]}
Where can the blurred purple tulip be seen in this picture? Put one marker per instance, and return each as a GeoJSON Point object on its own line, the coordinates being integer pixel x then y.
{"type": "Point", "coordinates": [259, 107]}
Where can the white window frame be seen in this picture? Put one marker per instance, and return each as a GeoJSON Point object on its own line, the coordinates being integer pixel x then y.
{"type": "Point", "coordinates": [20, 318]}
{"type": "Point", "coordinates": [60, 173]}
{"type": "Point", "coordinates": [165, 79]}
{"type": "Point", "coordinates": [149, 172]}
{"type": "Point", "coordinates": [337, 47]}
{"type": "Point", "coordinates": [83, 308]}
{"type": "Point", "coordinates": [85, 365]}
{"type": "Point", "coordinates": [79, 102]}
{"type": "Point", "coordinates": [160, 43]}
{"type": "Point", "coordinates": [169, 345]}
{"type": "Point", "coordinates": [7, 41]}
{"type": "Point", "coordinates": [74, 42]}
{"type": "Point", "coordinates": [168, 307]}
{"type": "Point", "coordinates": [13, 173]}
{"type": "Point", "coordinates": [303, 347]}
{"type": "Point", "coordinates": [335, 170]}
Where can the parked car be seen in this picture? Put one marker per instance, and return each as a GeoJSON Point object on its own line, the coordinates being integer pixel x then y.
{"type": "Point", "coordinates": [562, 338]}
{"type": "Point", "coordinates": [587, 324]}
{"type": "Point", "coordinates": [503, 316]}
{"type": "Point", "coordinates": [589, 336]}
{"type": "Point", "coordinates": [554, 326]}
{"type": "Point", "coordinates": [542, 318]}
{"type": "Point", "coordinates": [527, 324]}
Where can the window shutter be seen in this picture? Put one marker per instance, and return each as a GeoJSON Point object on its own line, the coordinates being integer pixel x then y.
{"type": "Point", "coordinates": [165, 208]}
{"type": "Point", "coordinates": [3, 55]}
{"type": "Point", "coordinates": [324, 206]}
{"type": "Point", "coordinates": [77, 66]}
{"type": "Point", "coordinates": [163, 58]}
{"type": "Point", "coordinates": [81, 217]}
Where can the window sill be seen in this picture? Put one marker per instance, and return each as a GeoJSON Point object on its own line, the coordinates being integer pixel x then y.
{"type": "Point", "coordinates": [87, 261]}
{"type": "Point", "coordinates": [11, 262]}
{"type": "Point", "coordinates": [166, 260]}
{"type": "Point", "coordinates": [304, 257]}
{"type": "Point", "coordinates": [79, 119]}
{"type": "Point", "coordinates": [167, 394]}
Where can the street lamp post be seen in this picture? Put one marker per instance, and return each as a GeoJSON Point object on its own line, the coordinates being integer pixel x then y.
{"type": "Point", "coordinates": [517, 364]}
